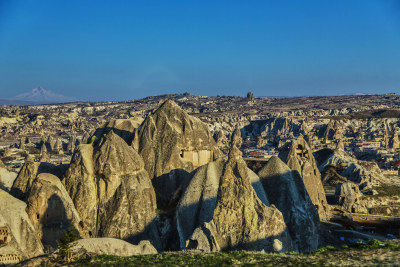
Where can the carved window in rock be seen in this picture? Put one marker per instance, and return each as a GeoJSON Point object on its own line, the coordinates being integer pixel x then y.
{"type": "Point", "coordinates": [3, 235]}
{"type": "Point", "coordinates": [301, 152]}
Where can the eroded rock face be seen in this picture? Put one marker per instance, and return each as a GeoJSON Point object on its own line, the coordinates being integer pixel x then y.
{"type": "Point", "coordinates": [200, 198]}
{"type": "Point", "coordinates": [23, 183]}
{"type": "Point", "coordinates": [124, 128]}
{"type": "Point", "coordinates": [112, 191]}
{"type": "Point", "coordinates": [349, 197]}
{"type": "Point", "coordinates": [6, 178]}
{"type": "Point", "coordinates": [173, 144]}
{"type": "Point", "coordinates": [285, 189]}
{"type": "Point", "coordinates": [112, 246]}
{"type": "Point", "coordinates": [18, 237]}
{"type": "Point", "coordinates": [50, 209]}
{"type": "Point", "coordinates": [298, 156]}
{"type": "Point", "coordinates": [240, 219]}
{"type": "Point", "coordinates": [24, 180]}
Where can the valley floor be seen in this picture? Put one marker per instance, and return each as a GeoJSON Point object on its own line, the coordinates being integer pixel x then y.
{"type": "Point", "coordinates": [375, 253]}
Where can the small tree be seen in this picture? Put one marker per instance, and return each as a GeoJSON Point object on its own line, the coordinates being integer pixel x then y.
{"type": "Point", "coordinates": [66, 243]}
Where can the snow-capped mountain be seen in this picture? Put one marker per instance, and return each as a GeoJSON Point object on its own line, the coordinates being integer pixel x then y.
{"type": "Point", "coordinates": [39, 95]}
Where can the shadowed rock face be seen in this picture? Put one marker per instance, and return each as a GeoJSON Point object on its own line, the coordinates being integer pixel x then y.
{"type": "Point", "coordinates": [124, 128]}
{"type": "Point", "coordinates": [348, 196]}
{"type": "Point", "coordinates": [172, 144]}
{"type": "Point", "coordinates": [25, 178]}
{"type": "Point", "coordinates": [240, 220]}
{"type": "Point", "coordinates": [23, 183]}
{"type": "Point", "coordinates": [200, 198]}
{"type": "Point", "coordinates": [298, 156]}
{"type": "Point", "coordinates": [22, 239]}
{"type": "Point", "coordinates": [285, 189]}
{"type": "Point", "coordinates": [111, 190]}
{"type": "Point", "coordinates": [50, 209]}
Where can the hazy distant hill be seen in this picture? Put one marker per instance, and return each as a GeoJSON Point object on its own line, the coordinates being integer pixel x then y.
{"type": "Point", "coordinates": [38, 95]}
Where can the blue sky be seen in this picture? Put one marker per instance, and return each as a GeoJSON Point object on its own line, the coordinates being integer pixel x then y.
{"type": "Point", "coordinates": [119, 50]}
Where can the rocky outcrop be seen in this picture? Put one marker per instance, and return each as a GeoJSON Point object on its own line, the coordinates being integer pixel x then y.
{"type": "Point", "coordinates": [236, 138]}
{"type": "Point", "coordinates": [298, 156]}
{"type": "Point", "coordinates": [285, 189]}
{"type": "Point", "coordinates": [357, 171]}
{"type": "Point", "coordinates": [112, 246]}
{"type": "Point", "coordinates": [349, 197]}
{"type": "Point", "coordinates": [6, 178]}
{"type": "Point", "coordinates": [173, 144]}
{"type": "Point", "coordinates": [112, 191]}
{"type": "Point", "coordinates": [124, 128]}
{"type": "Point", "coordinates": [200, 198]}
{"type": "Point", "coordinates": [28, 173]}
{"type": "Point", "coordinates": [18, 237]}
{"type": "Point", "coordinates": [50, 209]}
{"type": "Point", "coordinates": [24, 180]}
{"type": "Point", "coordinates": [240, 220]}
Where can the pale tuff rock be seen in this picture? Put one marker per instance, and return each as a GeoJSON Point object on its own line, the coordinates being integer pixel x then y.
{"type": "Point", "coordinates": [112, 246]}
{"type": "Point", "coordinates": [200, 198]}
{"type": "Point", "coordinates": [172, 144]}
{"type": "Point", "coordinates": [50, 209]}
{"type": "Point", "coordinates": [112, 191]}
{"type": "Point", "coordinates": [18, 234]}
{"type": "Point", "coordinates": [28, 173]}
{"type": "Point", "coordinates": [240, 219]}
{"type": "Point", "coordinates": [236, 139]}
{"type": "Point", "coordinates": [285, 189]}
{"type": "Point", "coordinates": [298, 156]}
{"type": "Point", "coordinates": [80, 183]}
{"type": "Point", "coordinates": [6, 178]}
{"type": "Point", "coordinates": [354, 170]}
{"type": "Point", "coordinates": [124, 128]}
{"type": "Point", "coordinates": [24, 180]}
{"type": "Point", "coordinates": [349, 197]}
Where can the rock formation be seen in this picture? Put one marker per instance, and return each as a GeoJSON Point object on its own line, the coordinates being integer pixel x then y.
{"type": "Point", "coordinates": [349, 197]}
{"type": "Point", "coordinates": [298, 156]}
{"type": "Point", "coordinates": [236, 139]}
{"type": "Point", "coordinates": [50, 209]}
{"type": "Point", "coordinates": [111, 190]}
{"type": "Point", "coordinates": [285, 189]}
{"type": "Point", "coordinates": [172, 144]}
{"type": "Point", "coordinates": [18, 238]}
{"type": "Point", "coordinates": [240, 220]}
{"type": "Point", "coordinates": [6, 178]}
{"type": "Point", "coordinates": [124, 128]}
{"type": "Point", "coordinates": [200, 198]}
{"type": "Point", "coordinates": [112, 246]}
{"type": "Point", "coordinates": [24, 180]}
{"type": "Point", "coordinates": [28, 173]}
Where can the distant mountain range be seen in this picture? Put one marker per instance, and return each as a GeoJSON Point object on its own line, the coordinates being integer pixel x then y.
{"type": "Point", "coordinates": [37, 96]}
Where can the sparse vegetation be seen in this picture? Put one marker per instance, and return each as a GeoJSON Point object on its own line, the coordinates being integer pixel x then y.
{"type": "Point", "coordinates": [354, 254]}
{"type": "Point", "coordinates": [66, 243]}
{"type": "Point", "coordinates": [387, 190]}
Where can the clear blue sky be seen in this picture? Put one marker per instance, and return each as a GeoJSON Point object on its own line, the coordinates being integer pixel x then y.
{"type": "Point", "coordinates": [117, 50]}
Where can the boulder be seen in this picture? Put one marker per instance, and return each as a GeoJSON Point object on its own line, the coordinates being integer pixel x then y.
{"type": "Point", "coordinates": [298, 156]}
{"type": "Point", "coordinates": [112, 246]}
{"type": "Point", "coordinates": [285, 189]}
{"type": "Point", "coordinates": [18, 238]}
{"type": "Point", "coordinates": [240, 220]}
{"type": "Point", "coordinates": [50, 209]}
